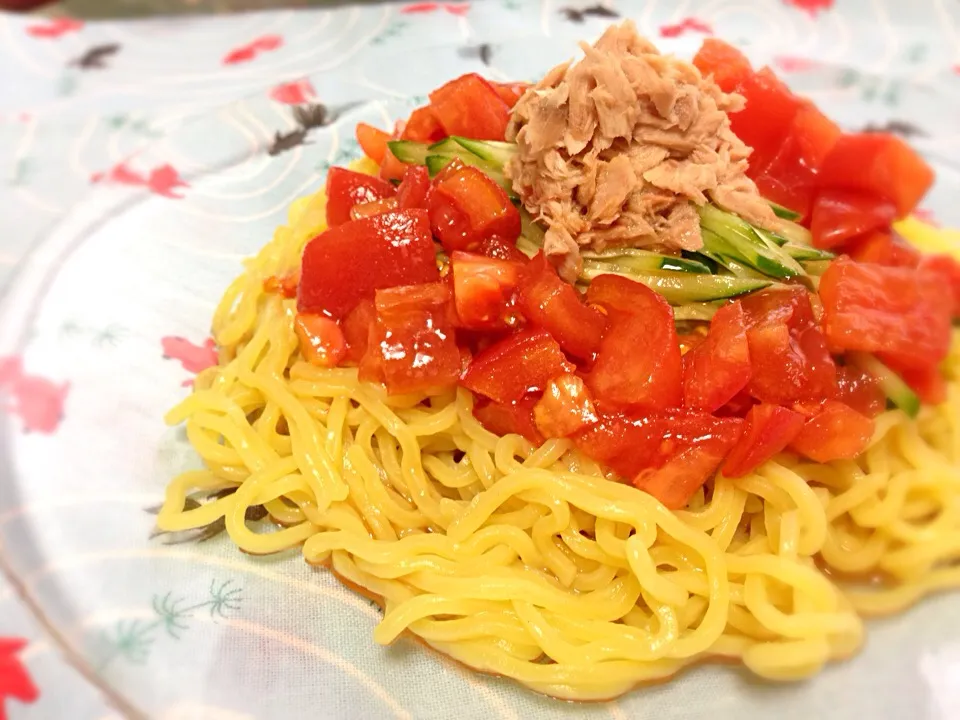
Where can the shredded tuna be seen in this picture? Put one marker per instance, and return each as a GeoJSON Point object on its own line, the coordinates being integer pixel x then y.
{"type": "Point", "coordinates": [620, 148]}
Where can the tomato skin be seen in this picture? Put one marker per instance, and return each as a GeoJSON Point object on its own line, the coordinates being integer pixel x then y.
{"type": "Point", "coordinates": [928, 383]}
{"type": "Point", "coordinates": [423, 126]}
{"type": "Point", "coordinates": [716, 370]}
{"type": "Point", "coordinates": [564, 408]}
{"type": "Point", "coordinates": [835, 432]}
{"type": "Point", "coordinates": [878, 164]}
{"type": "Point", "coordinates": [839, 215]}
{"type": "Point", "coordinates": [499, 249]}
{"type": "Point", "coordinates": [412, 347]}
{"type": "Point", "coordinates": [638, 363]}
{"type": "Point", "coordinates": [789, 356]}
{"type": "Point", "coordinates": [763, 124]}
{"type": "Point", "coordinates": [947, 271]}
{"type": "Point", "coordinates": [466, 208]}
{"type": "Point", "coordinates": [390, 167]}
{"type": "Point", "coordinates": [511, 92]}
{"type": "Point", "coordinates": [321, 340]}
{"type": "Point", "coordinates": [860, 390]}
{"type": "Point", "coordinates": [372, 141]}
{"type": "Point", "coordinates": [346, 188]}
{"type": "Point", "coordinates": [897, 312]}
{"type": "Point", "coordinates": [356, 329]}
{"type": "Point", "coordinates": [414, 188]}
{"type": "Point", "coordinates": [728, 65]}
{"type": "Point", "coordinates": [374, 207]}
{"type": "Point", "coordinates": [515, 418]}
{"type": "Point", "coordinates": [881, 248]}
{"type": "Point", "coordinates": [347, 263]}
{"type": "Point", "coordinates": [554, 305]}
{"type": "Point", "coordinates": [471, 107]}
{"type": "Point", "coordinates": [483, 290]}
{"type": "Point", "coordinates": [768, 430]}
{"type": "Point", "coordinates": [519, 364]}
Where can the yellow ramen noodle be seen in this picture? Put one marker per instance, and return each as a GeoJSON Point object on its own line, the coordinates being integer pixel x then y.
{"type": "Point", "coordinates": [526, 562]}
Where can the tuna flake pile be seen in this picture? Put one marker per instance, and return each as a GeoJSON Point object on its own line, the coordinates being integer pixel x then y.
{"type": "Point", "coordinates": [619, 148]}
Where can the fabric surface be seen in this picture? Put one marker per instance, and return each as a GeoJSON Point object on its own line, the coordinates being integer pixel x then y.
{"type": "Point", "coordinates": [139, 162]}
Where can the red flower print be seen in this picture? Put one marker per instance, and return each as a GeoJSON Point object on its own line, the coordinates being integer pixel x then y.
{"type": "Point", "coordinates": [687, 24]}
{"type": "Point", "coordinates": [460, 9]}
{"type": "Point", "coordinates": [162, 180]}
{"type": "Point", "coordinates": [956, 69]}
{"type": "Point", "coordinates": [37, 401]}
{"type": "Point", "coordinates": [811, 6]}
{"type": "Point", "coordinates": [193, 358]}
{"type": "Point", "coordinates": [15, 681]}
{"type": "Point", "coordinates": [246, 53]}
{"type": "Point", "coordinates": [54, 28]}
{"type": "Point", "coordinates": [294, 93]}
{"type": "Point", "coordinates": [792, 63]}
{"type": "Point", "coordinates": [424, 7]}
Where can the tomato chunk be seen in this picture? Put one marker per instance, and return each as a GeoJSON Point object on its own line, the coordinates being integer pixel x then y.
{"type": "Point", "coordinates": [554, 305]}
{"type": "Point", "coordinates": [839, 215]}
{"type": "Point", "coordinates": [483, 289]}
{"type": "Point", "coordinates": [467, 207]}
{"type": "Point", "coordinates": [947, 271]}
{"type": "Point", "coordinates": [511, 92]}
{"type": "Point", "coordinates": [879, 164]}
{"type": "Point", "coordinates": [768, 430]}
{"type": "Point", "coordinates": [502, 250]}
{"type": "Point", "coordinates": [764, 122]}
{"type": "Point", "coordinates": [519, 364]}
{"type": "Point", "coordinates": [881, 248]}
{"type": "Point", "coordinates": [321, 339]}
{"type": "Point", "coordinates": [374, 207]}
{"type": "Point", "coordinates": [423, 126]}
{"type": "Point", "coordinates": [895, 311]}
{"type": "Point", "coordinates": [356, 329]}
{"type": "Point", "coordinates": [728, 65]}
{"type": "Point", "coordinates": [789, 356]}
{"type": "Point", "coordinates": [414, 188]}
{"type": "Point", "coordinates": [515, 418]}
{"type": "Point", "coordinates": [717, 369]}
{"type": "Point", "coordinates": [412, 346]}
{"type": "Point", "coordinates": [638, 363]}
{"type": "Point", "coordinates": [347, 263]}
{"type": "Point", "coordinates": [836, 432]}
{"type": "Point", "coordinates": [390, 167]}
{"type": "Point", "coordinates": [373, 141]}
{"type": "Point", "coordinates": [565, 407]}
{"type": "Point", "coordinates": [471, 107]}
{"type": "Point", "coordinates": [860, 390]}
{"type": "Point", "coordinates": [346, 188]}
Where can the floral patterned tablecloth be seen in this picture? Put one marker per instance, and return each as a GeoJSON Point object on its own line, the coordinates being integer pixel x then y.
{"type": "Point", "coordinates": [82, 104]}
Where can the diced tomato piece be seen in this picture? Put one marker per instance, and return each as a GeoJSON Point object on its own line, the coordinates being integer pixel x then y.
{"type": "Point", "coordinates": [728, 65]}
{"type": "Point", "coordinates": [423, 126]}
{"type": "Point", "coordinates": [483, 289]}
{"type": "Point", "coordinates": [412, 346]}
{"type": "Point", "coordinates": [565, 407]}
{"type": "Point", "coordinates": [789, 356]}
{"type": "Point", "coordinates": [878, 164]}
{"type": "Point", "coordinates": [373, 141]}
{"type": "Point", "coordinates": [285, 286]}
{"type": "Point", "coordinates": [675, 482]}
{"type": "Point", "coordinates": [467, 207]}
{"type": "Point", "coordinates": [638, 364]}
{"type": "Point", "coordinates": [839, 215]}
{"type": "Point", "coordinates": [511, 92]}
{"type": "Point", "coordinates": [836, 432]}
{"type": "Point", "coordinates": [928, 383]}
{"type": "Point", "coordinates": [513, 419]}
{"type": "Point", "coordinates": [519, 364]}
{"type": "Point", "coordinates": [790, 177]}
{"type": "Point", "coordinates": [554, 305]}
{"type": "Point", "coordinates": [374, 207]}
{"type": "Point", "coordinates": [947, 271]}
{"type": "Point", "coordinates": [346, 188]}
{"type": "Point", "coordinates": [860, 390]}
{"type": "Point", "coordinates": [716, 370]}
{"type": "Point", "coordinates": [414, 187]}
{"type": "Point", "coordinates": [881, 248]}
{"type": "Point", "coordinates": [471, 107]}
{"type": "Point", "coordinates": [766, 120]}
{"type": "Point", "coordinates": [321, 339]}
{"type": "Point", "coordinates": [356, 329]}
{"type": "Point", "coordinates": [390, 167]}
{"type": "Point", "coordinates": [347, 263]}
{"type": "Point", "coordinates": [739, 406]}
{"type": "Point", "coordinates": [895, 311]}
{"type": "Point", "coordinates": [502, 250]}
{"type": "Point", "coordinates": [768, 430]}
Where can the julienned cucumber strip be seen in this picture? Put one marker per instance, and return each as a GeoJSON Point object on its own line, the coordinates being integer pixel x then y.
{"type": "Point", "coordinates": [645, 261]}
{"type": "Point", "coordinates": [792, 233]}
{"type": "Point", "coordinates": [496, 153]}
{"type": "Point", "coordinates": [702, 312]}
{"type": "Point", "coordinates": [781, 212]}
{"type": "Point", "coordinates": [727, 235]}
{"type": "Point", "coordinates": [806, 252]}
{"type": "Point", "coordinates": [680, 288]}
{"type": "Point", "coordinates": [896, 390]}
{"type": "Point", "coordinates": [442, 153]}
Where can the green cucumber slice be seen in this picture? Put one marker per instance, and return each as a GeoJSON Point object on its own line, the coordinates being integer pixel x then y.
{"type": "Point", "coordinates": [806, 252]}
{"type": "Point", "coordinates": [447, 146]}
{"type": "Point", "coordinates": [496, 153]}
{"type": "Point", "coordinates": [644, 260]}
{"type": "Point", "coordinates": [816, 268]}
{"type": "Point", "coordinates": [727, 235]}
{"type": "Point", "coordinates": [680, 288]}
{"type": "Point", "coordinates": [694, 312]}
{"type": "Point", "coordinates": [896, 390]}
{"type": "Point", "coordinates": [781, 212]}
{"type": "Point", "coordinates": [409, 151]}
{"type": "Point", "coordinates": [792, 233]}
